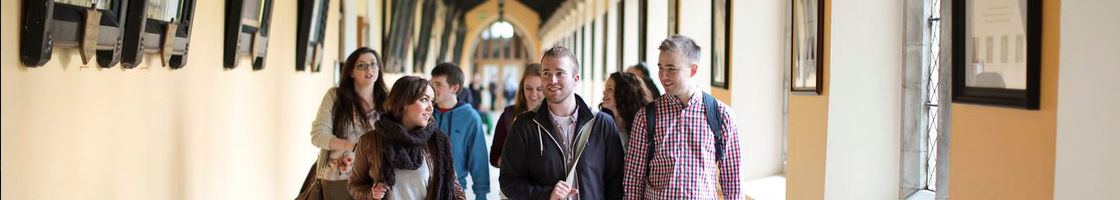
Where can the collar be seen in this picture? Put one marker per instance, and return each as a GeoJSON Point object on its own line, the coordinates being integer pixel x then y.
{"type": "Point", "coordinates": [582, 114]}
{"type": "Point", "coordinates": [570, 118]}
{"type": "Point", "coordinates": [694, 98]}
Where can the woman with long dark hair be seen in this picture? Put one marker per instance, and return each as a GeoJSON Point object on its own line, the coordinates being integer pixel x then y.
{"type": "Point", "coordinates": [529, 96]}
{"type": "Point", "coordinates": [624, 95]}
{"type": "Point", "coordinates": [406, 157]}
{"type": "Point", "coordinates": [345, 114]}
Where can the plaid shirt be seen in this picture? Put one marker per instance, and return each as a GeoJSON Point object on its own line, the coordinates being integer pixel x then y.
{"type": "Point", "coordinates": [684, 164]}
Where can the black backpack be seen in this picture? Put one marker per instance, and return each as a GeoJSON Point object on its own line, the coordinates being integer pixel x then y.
{"type": "Point", "coordinates": [711, 110]}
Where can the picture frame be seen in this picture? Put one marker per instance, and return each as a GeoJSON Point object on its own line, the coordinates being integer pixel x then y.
{"type": "Point", "coordinates": [158, 26]}
{"type": "Point", "coordinates": [807, 44]}
{"type": "Point", "coordinates": [997, 52]}
{"type": "Point", "coordinates": [310, 34]}
{"type": "Point", "coordinates": [721, 44]}
{"type": "Point", "coordinates": [92, 28]}
{"type": "Point", "coordinates": [246, 32]}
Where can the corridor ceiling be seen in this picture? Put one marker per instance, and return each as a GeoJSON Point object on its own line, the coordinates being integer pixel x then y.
{"type": "Point", "coordinates": [544, 8]}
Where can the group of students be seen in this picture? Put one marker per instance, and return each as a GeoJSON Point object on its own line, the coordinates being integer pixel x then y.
{"type": "Point", "coordinates": [417, 141]}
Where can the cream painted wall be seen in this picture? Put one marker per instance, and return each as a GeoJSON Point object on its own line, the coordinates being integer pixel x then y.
{"type": "Point", "coordinates": [865, 101]}
{"type": "Point", "coordinates": [201, 132]}
{"type": "Point", "coordinates": [657, 29]}
{"type": "Point", "coordinates": [757, 60]}
{"type": "Point", "coordinates": [630, 30]}
{"type": "Point", "coordinates": [1087, 139]}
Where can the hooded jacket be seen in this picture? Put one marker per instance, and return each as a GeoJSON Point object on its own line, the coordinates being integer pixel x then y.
{"type": "Point", "coordinates": [468, 146]}
{"type": "Point", "coordinates": [533, 162]}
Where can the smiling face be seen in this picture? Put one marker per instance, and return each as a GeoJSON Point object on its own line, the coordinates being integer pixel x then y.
{"type": "Point", "coordinates": [608, 95]}
{"type": "Point", "coordinates": [559, 79]}
{"type": "Point", "coordinates": [533, 91]}
{"type": "Point", "coordinates": [419, 113]}
{"type": "Point", "coordinates": [365, 71]}
{"type": "Point", "coordinates": [675, 71]}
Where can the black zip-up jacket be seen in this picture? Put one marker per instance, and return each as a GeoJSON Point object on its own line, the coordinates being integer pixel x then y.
{"type": "Point", "coordinates": [532, 161]}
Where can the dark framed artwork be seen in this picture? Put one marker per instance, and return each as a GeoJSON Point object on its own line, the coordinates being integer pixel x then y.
{"type": "Point", "coordinates": [996, 60]}
{"type": "Point", "coordinates": [807, 44]}
{"type": "Point", "coordinates": [94, 27]}
{"type": "Point", "coordinates": [643, 28]}
{"type": "Point", "coordinates": [310, 34]}
{"type": "Point", "coordinates": [721, 43]}
{"type": "Point", "coordinates": [158, 26]}
{"type": "Point", "coordinates": [246, 31]}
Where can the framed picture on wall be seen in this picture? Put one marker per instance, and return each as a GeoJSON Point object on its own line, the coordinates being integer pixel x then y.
{"type": "Point", "coordinates": [807, 44]}
{"type": "Point", "coordinates": [246, 31]}
{"type": "Point", "coordinates": [998, 62]}
{"type": "Point", "coordinates": [310, 31]}
{"type": "Point", "coordinates": [90, 27]}
{"type": "Point", "coordinates": [160, 26]}
{"type": "Point", "coordinates": [721, 43]}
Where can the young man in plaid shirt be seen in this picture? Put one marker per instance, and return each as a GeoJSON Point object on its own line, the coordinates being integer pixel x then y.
{"type": "Point", "coordinates": [682, 158]}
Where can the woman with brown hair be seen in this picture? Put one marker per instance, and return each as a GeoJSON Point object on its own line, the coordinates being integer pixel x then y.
{"type": "Point", "coordinates": [624, 95]}
{"type": "Point", "coordinates": [346, 112]}
{"type": "Point", "coordinates": [405, 157]}
{"type": "Point", "coordinates": [529, 96]}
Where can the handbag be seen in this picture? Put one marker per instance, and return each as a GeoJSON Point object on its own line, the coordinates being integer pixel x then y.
{"type": "Point", "coordinates": [310, 190]}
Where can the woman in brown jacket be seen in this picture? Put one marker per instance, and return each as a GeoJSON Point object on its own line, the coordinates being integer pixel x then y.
{"type": "Point", "coordinates": [405, 157]}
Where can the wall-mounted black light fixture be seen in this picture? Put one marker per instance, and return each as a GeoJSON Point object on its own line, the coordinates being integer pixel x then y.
{"type": "Point", "coordinates": [158, 26]}
{"type": "Point", "coordinates": [93, 26]}
{"type": "Point", "coordinates": [246, 31]}
{"type": "Point", "coordinates": [309, 33]}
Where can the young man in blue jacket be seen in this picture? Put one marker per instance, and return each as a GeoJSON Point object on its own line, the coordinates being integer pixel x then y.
{"type": "Point", "coordinates": [461, 122]}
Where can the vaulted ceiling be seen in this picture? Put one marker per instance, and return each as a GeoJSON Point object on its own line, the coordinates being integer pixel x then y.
{"type": "Point", "coordinates": [544, 8]}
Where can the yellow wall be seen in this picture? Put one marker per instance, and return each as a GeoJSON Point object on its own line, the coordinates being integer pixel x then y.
{"type": "Point", "coordinates": [807, 132]}
{"type": "Point", "coordinates": [1003, 153]}
{"type": "Point", "coordinates": [201, 132]}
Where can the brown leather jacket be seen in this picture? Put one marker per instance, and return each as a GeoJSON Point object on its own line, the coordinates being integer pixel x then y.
{"type": "Point", "coordinates": [367, 163]}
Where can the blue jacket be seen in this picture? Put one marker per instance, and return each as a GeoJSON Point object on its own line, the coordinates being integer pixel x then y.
{"type": "Point", "coordinates": [468, 146]}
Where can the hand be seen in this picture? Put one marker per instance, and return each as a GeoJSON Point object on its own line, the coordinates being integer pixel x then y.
{"type": "Point", "coordinates": [378, 191]}
{"type": "Point", "coordinates": [344, 163]}
{"type": "Point", "coordinates": [561, 191]}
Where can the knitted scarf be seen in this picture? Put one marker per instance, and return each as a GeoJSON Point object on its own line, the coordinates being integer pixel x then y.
{"type": "Point", "coordinates": [404, 149]}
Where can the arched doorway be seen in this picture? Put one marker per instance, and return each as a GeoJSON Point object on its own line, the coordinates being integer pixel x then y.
{"type": "Point", "coordinates": [497, 61]}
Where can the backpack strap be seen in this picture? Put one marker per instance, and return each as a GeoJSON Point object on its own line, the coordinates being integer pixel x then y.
{"type": "Point", "coordinates": [651, 114]}
{"type": "Point", "coordinates": [715, 122]}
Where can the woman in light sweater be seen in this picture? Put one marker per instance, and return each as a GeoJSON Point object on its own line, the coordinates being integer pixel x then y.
{"type": "Point", "coordinates": [347, 112]}
{"type": "Point", "coordinates": [406, 157]}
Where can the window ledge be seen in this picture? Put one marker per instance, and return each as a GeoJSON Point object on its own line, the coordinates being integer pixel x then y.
{"type": "Point", "coordinates": [766, 188]}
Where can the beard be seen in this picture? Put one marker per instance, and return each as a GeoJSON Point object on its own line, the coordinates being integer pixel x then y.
{"type": "Point", "coordinates": [563, 95]}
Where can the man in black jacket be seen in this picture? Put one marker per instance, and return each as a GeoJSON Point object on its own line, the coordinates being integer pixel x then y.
{"type": "Point", "coordinates": [545, 143]}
